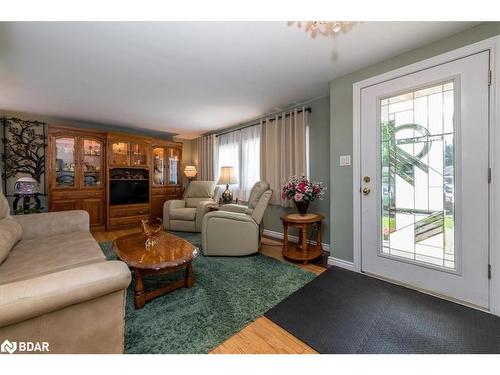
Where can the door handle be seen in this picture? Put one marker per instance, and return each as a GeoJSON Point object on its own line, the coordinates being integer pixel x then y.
{"type": "Point", "coordinates": [366, 191]}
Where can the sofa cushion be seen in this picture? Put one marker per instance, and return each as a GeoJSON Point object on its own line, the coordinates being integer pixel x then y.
{"type": "Point", "coordinates": [10, 234]}
{"type": "Point", "coordinates": [4, 207]}
{"type": "Point", "coordinates": [30, 258]}
{"type": "Point", "coordinates": [187, 214]}
{"type": "Point", "coordinates": [200, 189]}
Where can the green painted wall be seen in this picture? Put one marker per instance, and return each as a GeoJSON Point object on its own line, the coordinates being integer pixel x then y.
{"type": "Point", "coordinates": [341, 192]}
{"type": "Point", "coordinates": [319, 165]}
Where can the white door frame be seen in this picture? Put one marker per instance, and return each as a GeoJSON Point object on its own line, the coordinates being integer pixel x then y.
{"type": "Point", "coordinates": [493, 45]}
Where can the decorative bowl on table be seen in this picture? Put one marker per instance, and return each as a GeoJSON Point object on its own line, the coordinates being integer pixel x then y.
{"type": "Point", "coordinates": [151, 229]}
{"type": "Point", "coordinates": [26, 185]}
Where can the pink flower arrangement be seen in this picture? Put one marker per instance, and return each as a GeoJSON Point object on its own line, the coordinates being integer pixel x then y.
{"type": "Point", "coordinates": [301, 189]}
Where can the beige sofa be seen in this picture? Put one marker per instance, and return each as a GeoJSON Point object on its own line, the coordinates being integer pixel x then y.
{"type": "Point", "coordinates": [56, 285]}
{"type": "Point", "coordinates": [186, 215]}
{"type": "Point", "coordinates": [236, 230]}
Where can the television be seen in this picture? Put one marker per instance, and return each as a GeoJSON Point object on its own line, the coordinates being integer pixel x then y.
{"type": "Point", "coordinates": [128, 192]}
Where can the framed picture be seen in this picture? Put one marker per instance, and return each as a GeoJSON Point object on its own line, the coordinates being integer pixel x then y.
{"type": "Point", "coordinates": [24, 148]}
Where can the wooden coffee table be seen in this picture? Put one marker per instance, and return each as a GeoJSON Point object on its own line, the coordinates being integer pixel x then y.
{"type": "Point", "coordinates": [169, 255]}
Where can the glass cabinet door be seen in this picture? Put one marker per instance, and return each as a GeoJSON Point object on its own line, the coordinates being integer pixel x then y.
{"type": "Point", "coordinates": [119, 153]}
{"type": "Point", "coordinates": [92, 160]}
{"type": "Point", "coordinates": [65, 163]}
{"type": "Point", "coordinates": [138, 154]}
{"type": "Point", "coordinates": [158, 166]}
{"type": "Point", "coordinates": [173, 166]}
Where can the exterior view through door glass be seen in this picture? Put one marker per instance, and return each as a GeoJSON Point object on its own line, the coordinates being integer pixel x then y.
{"type": "Point", "coordinates": [424, 179]}
{"type": "Point", "coordinates": [417, 175]}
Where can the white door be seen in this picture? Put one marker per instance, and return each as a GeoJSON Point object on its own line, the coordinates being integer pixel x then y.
{"type": "Point", "coordinates": [424, 179]}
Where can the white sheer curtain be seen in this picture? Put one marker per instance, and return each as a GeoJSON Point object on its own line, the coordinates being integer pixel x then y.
{"type": "Point", "coordinates": [241, 150]}
{"type": "Point", "coordinates": [250, 160]}
{"type": "Point", "coordinates": [284, 151]}
{"type": "Point", "coordinates": [228, 154]}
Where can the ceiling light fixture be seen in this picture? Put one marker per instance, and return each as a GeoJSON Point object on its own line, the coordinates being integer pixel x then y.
{"type": "Point", "coordinates": [325, 28]}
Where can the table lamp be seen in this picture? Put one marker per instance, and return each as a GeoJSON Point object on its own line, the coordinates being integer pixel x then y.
{"type": "Point", "coordinates": [227, 178]}
{"type": "Point", "coordinates": [190, 172]}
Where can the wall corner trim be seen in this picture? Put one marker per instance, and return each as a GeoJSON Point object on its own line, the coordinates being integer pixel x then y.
{"type": "Point", "coordinates": [332, 261]}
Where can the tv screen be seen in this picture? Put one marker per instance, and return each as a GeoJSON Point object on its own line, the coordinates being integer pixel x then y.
{"type": "Point", "coordinates": [128, 192]}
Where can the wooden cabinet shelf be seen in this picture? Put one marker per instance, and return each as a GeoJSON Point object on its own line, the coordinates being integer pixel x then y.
{"type": "Point", "coordinates": [81, 163]}
{"type": "Point", "coordinates": [126, 150]}
{"type": "Point", "coordinates": [76, 177]}
{"type": "Point", "coordinates": [128, 179]}
{"type": "Point", "coordinates": [127, 215]}
{"type": "Point", "coordinates": [166, 183]}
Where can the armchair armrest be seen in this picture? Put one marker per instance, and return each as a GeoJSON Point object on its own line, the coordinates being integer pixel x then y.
{"type": "Point", "coordinates": [173, 203]}
{"type": "Point", "coordinates": [52, 223]}
{"type": "Point", "coordinates": [167, 206]}
{"type": "Point", "coordinates": [201, 210]}
{"type": "Point", "coordinates": [27, 299]}
{"type": "Point", "coordinates": [239, 208]}
{"type": "Point", "coordinates": [229, 216]}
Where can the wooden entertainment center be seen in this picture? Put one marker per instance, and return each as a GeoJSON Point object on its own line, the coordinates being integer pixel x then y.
{"type": "Point", "coordinates": [118, 178]}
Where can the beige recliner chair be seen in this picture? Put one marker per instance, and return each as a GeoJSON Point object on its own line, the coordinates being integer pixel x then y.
{"type": "Point", "coordinates": [186, 215]}
{"type": "Point", "coordinates": [236, 230]}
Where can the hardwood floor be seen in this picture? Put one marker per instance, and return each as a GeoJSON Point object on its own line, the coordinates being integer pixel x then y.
{"type": "Point", "coordinates": [261, 336]}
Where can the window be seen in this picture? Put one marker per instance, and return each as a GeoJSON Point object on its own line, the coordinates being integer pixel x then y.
{"type": "Point", "coordinates": [418, 195]}
{"type": "Point", "coordinates": [241, 150]}
{"type": "Point", "coordinates": [229, 154]}
{"type": "Point", "coordinates": [250, 160]}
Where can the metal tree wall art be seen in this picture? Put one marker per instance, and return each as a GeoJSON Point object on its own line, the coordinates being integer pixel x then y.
{"type": "Point", "coordinates": [24, 151]}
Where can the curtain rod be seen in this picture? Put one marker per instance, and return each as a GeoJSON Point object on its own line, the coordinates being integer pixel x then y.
{"type": "Point", "coordinates": [307, 109]}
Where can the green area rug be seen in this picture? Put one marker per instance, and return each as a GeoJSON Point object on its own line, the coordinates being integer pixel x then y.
{"type": "Point", "coordinates": [228, 293]}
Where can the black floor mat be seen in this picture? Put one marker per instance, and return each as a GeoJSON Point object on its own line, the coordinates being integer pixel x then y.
{"type": "Point", "coordinates": [346, 312]}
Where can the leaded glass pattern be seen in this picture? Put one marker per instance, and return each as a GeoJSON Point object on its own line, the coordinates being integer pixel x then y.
{"type": "Point", "coordinates": [417, 170]}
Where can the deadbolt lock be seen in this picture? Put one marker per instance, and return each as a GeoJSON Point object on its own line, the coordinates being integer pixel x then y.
{"type": "Point", "coordinates": [366, 179]}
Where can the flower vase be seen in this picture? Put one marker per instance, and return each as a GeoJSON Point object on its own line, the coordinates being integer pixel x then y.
{"type": "Point", "coordinates": [302, 206]}
{"type": "Point", "coordinates": [151, 229]}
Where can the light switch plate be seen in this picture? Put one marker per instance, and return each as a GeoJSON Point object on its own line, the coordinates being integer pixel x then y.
{"type": "Point", "coordinates": [345, 160]}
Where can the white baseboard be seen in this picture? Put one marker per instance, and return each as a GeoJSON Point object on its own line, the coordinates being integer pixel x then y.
{"type": "Point", "coordinates": [295, 239]}
{"type": "Point", "coordinates": [332, 261]}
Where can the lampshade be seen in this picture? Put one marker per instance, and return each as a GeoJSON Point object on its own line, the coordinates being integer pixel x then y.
{"type": "Point", "coordinates": [227, 176]}
{"type": "Point", "coordinates": [190, 171]}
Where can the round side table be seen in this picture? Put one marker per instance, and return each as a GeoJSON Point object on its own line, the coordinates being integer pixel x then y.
{"type": "Point", "coordinates": [302, 252]}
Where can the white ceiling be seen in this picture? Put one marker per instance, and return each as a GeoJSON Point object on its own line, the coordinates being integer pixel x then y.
{"type": "Point", "coordinates": [186, 77]}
